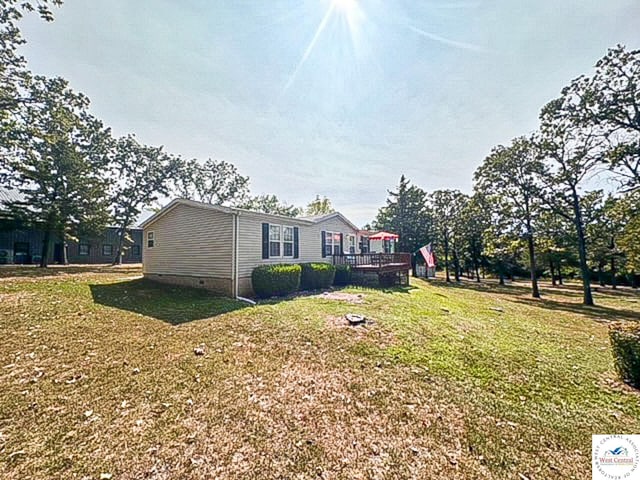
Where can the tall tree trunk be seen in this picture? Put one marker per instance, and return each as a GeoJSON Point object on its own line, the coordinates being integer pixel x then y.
{"type": "Point", "coordinates": [614, 282]}
{"type": "Point", "coordinates": [553, 273]}
{"type": "Point", "coordinates": [560, 281]}
{"type": "Point", "coordinates": [446, 260]}
{"type": "Point", "coordinates": [634, 279]}
{"type": "Point", "coordinates": [65, 257]}
{"type": "Point", "coordinates": [501, 276]}
{"type": "Point", "coordinates": [535, 292]}
{"type": "Point", "coordinates": [601, 274]}
{"type": "Point", "coordinates": [456, 265]}
{"type": "Point", "coordinates": [476, 269]}
{"type": "Point", "coordinates": [587, 297]}
{"type": "Point", "coordinates": [46, 241]}
{"type": "Point", "coordinates": [118, 258]}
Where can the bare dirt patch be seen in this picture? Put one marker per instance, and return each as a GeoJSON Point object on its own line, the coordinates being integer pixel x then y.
{"type": "Point", "coordinates": [355, 298]}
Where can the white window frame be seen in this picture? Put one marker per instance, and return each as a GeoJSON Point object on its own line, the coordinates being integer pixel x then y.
{"type": "Point", "coordinates": [284, 241]}
{"type": "Point", "coordinates": [151, 237]}
{"type": "Point", "coordinates": [110, 245]}
{"type": "Point", "coordinates": [82, 244]}
{"type": "Point", "coordinates": [328, 244]}
{"type": "Point", "coordinates": [351, 243]}
{"type": "Point", "coordinates": [278, 241]}
{"type": "Point", "coordinates": [331, 240]}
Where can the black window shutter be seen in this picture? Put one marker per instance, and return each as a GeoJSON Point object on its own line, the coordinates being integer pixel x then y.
{"type": "Point", "coordinates": [265, 240]}
{"type": "Point", "coordinates": [296, 243]}
{"type": "Point", "coordinates": [324, 243]}
{"type": "Point", "coordinates": [341, 244]}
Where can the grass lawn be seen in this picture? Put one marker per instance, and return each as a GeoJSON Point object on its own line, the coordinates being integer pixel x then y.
{"type": "Point", "coordinates": [98, 376]}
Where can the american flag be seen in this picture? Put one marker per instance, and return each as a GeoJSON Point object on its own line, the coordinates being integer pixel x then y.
{"type": "Point", "coordinates": [428, 255]}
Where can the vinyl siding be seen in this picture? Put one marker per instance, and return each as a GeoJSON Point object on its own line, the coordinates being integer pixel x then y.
{"type": "Point", "coordinates": [190, 241]}
{"type": "Point", "coordinates": [310, 243]}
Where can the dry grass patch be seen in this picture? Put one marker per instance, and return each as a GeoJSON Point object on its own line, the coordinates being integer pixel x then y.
{"type": "Point", "coordinates": [99, 375]}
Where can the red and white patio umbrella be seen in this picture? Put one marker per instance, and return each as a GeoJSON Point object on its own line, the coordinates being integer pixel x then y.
{"type": "Point", "coordinates": [384, 236]}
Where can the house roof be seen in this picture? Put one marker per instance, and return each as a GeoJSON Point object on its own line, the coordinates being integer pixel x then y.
{"type": "Point", "coordinates": [241, 211]}
{"type": "Point", "coordinates": [7, 196]}
{"type": "Point", "coordinates": [322, 218]}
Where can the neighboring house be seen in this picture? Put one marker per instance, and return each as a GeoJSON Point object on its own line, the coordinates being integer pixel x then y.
{"type": "Point", "coordinates": [214, 247]}
{"type": "Point", "coordinates": [23, 245]}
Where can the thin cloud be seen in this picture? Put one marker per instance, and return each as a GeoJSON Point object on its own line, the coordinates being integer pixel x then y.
{"type": "Point", "coordinates": [447, 41]}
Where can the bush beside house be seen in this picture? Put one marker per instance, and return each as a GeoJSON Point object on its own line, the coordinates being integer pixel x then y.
{"type": "Point", "coordinates": [343, 275]}
{"type": "Point", "coordinates": [282, 279]}
{"type": "Point", "coordinates": [625, 343]}
{"type": "Point", "coordinates": [275, 280]}
{"type": "Point", "coordinates": [316, 276]}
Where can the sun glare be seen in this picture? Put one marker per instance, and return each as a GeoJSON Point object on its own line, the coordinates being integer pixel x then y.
{"type": "Point", "coordinates": [349, 11]}
{"type": "Point", "coordinates": [345, 6]}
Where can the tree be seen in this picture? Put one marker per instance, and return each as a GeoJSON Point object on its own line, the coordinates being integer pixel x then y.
{"type": "Point", "coordinates": [214, 182]}
{"type": "Point", "coordinates": [445, 208]}
{"type": "Point", "coordinates": [13, 71]}
{"type": "Point", "coordinates": [604, 220]}
{"type": "Point", "coordinates": [510, 178]}
{"type": "Point", "coordinates": [58, 163]}
{"type": "Point", "coordinates": [556, 242]}
{"type": "Point", "coordinates": [270, 204]}
{"type": "Point", "coordinates": [628, 207]}
{"type": "Point", "coordinates": [141, 174]}
{"type": "Point", "coordinates": [571, 152]}
{"type": "Point", "coordinates": [475, 222]}
{"type": "Point", "coordinates": [502, 245]}
{"type": "Point", "coordinates": [319, 206]}
{"type": "Point", "coordinates": [609, 101]}
{"type": "Point", "coordinates": [406, 215]}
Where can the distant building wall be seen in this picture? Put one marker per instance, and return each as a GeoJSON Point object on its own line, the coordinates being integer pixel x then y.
{"type": "Point", "coordinates": [24, 246]}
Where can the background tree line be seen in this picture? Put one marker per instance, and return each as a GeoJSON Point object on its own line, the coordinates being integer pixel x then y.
{"type": "Point", "coordinates": [538, 204]}
{"type": "Point", "coordinates": [73, 176]}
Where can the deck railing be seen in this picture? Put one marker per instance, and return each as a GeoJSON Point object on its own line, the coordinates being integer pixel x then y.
{"type": "Point", "coordinates": [372, 260]}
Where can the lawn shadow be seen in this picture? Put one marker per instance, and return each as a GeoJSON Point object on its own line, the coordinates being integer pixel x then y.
{"type": "Point", "coordinates": [398, 289]}
{"type": "Point", "coordinates": [33, 271]}
{"type": "Point", "coordinates": [521, 293]}
{"type": "Point", "coordinates": [597, 312]}
{"type": "Point", "coordinates": [171, 304]}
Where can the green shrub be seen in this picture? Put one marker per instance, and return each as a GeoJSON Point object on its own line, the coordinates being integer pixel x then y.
{"type": "Point", "coordinates": [275, 280]}
{"type": "Point", "coordinates": [343, 275]}
{"type": "Point", "coordinates": [625, 343]}
{"type": "Point", "coordinates": [316, 275]}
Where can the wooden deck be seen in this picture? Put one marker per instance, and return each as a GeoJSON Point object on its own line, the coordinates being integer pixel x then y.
{"type": "Point", "coordinates": [388, 265]}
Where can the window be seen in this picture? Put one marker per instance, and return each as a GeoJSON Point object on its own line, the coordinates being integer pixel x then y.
{"type": "Point", "coordinates": [352, 244]}
{"type": "Point", "coordinates": [83, 249]}
{"type": "Point", "coordinates": [150, 239]}
{"type": "Point", "coordinates": [287, 241]}
{"type": "Point", "coordinates": [332, 243]}
{"type": "Point", "coordinates": [107, 250]}
{"type": "Point", "coordinates": [135, 250]}
{"type": "Point", "coordinates": [274, 240]}
{"type": "Point", "coordinates": [328, 243]}
{"type": "Point", "coordinates": [364, 244]}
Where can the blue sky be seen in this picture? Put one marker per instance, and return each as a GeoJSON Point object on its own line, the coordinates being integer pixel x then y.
{"type": "Point", "coordinates": [424, 88]}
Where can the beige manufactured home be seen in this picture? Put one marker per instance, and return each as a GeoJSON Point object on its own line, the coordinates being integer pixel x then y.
{"type": "Point", "coordinates": [215, 247]}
